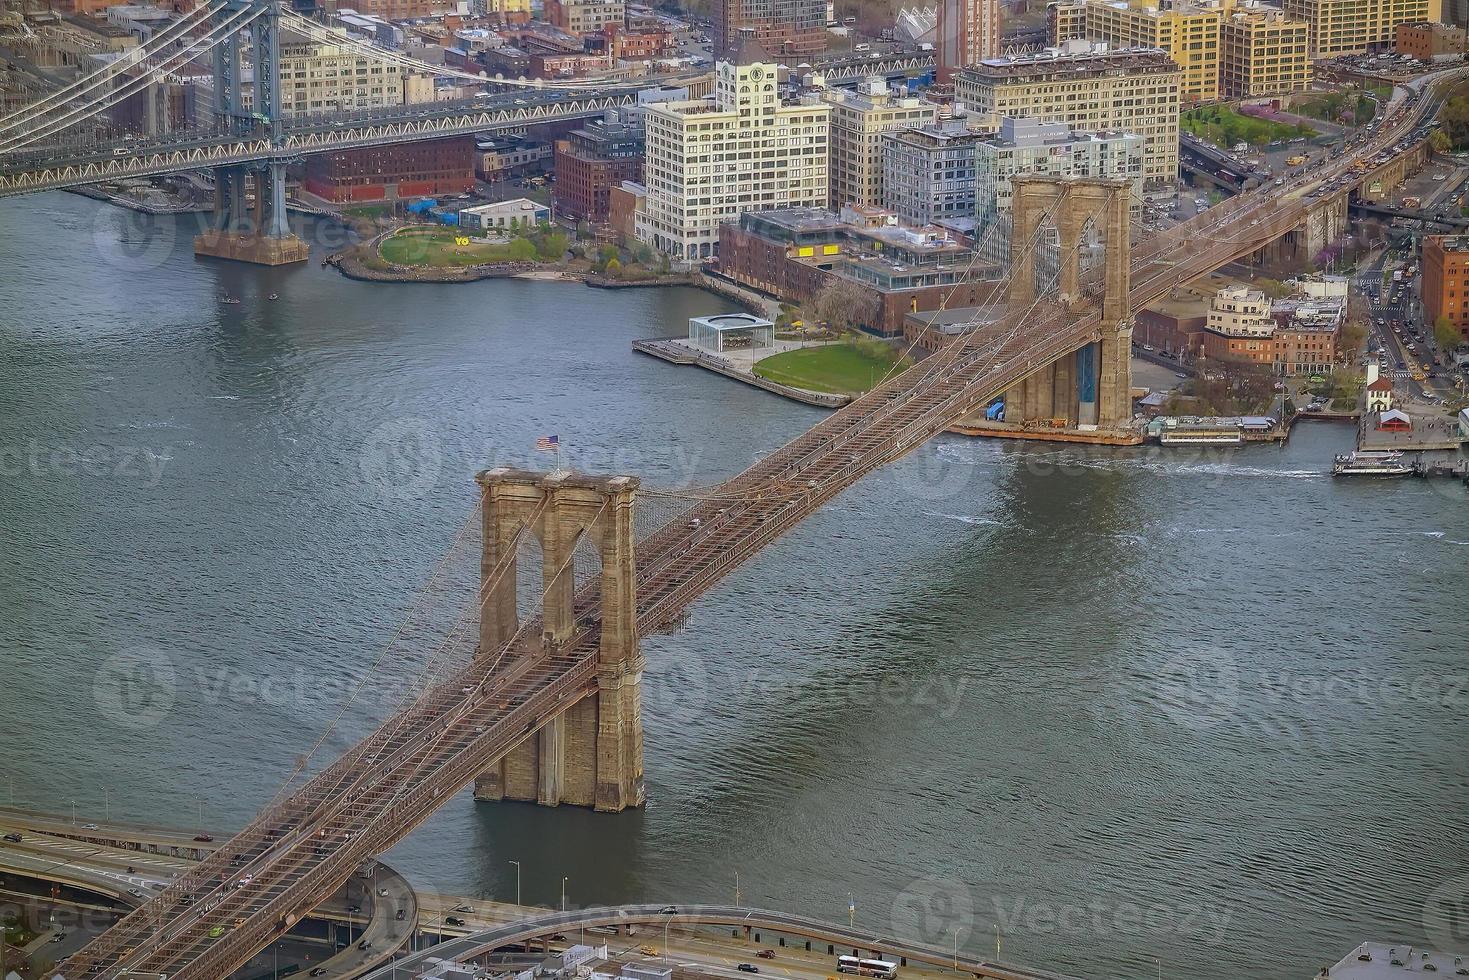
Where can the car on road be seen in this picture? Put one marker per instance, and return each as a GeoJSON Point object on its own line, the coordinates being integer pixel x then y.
{"type": "Point", "coordinates": [13, 838]}
{"type": "Point", "coordinates": [216, 932]}
{"type": "Point", "coordinates": [402, 914]}
{"type": "Point", "coordinates": [748, 968]}
{"type": "Point", "coordinates": [766, 954]}
{"type": "Point", "coordinates": [453, 920]}
{"type": "Point", "coordinates": [89, 826]}
{"type": "Point", "coordinates": [647, 950]}
{"type": "Point", "coordinates": [57, 937]}
{"type": "Point", "coordinates": [464, 908]}
{"type": "Point", "coordinates": [244, 881]}
{"type": "Point", "coordinates": [319, 971]}
{"type": "Point", "coordinates": [205, 838]}
{"type": "Point", "coordinates": [354, 910]}
{"type": "Point", "coordinates": [135, 892]}
{"type": "Point", "coordinates": [668, 910]}
{"type": "Point", "coordinates": [365, 944]}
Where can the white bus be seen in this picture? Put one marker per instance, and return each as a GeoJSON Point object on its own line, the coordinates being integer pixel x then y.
{"type": "Point", "coordinates": [867, 968]}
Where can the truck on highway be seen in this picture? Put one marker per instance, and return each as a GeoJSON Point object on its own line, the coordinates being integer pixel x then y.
{"type": "Point", "coordinates": [1295, 161]}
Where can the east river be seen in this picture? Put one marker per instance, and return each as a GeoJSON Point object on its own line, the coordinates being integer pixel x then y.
{"type": "Point", "coordinates": [1130, 712]}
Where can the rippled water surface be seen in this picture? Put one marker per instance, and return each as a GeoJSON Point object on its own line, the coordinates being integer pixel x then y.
{"type": "Point", "coordinates": [1116, 706]}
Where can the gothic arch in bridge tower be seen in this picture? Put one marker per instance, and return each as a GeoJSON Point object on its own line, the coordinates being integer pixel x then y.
{"type": "Point", "coordinates": [1092, 387]}
{"type": "Point", "coordinates": [590, 753]}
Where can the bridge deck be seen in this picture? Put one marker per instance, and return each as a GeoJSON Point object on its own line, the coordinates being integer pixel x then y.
{"type": "Point", "coordinates": [299, 850]}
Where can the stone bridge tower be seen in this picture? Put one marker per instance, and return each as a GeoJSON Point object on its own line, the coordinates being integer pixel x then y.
{"type": "Point", "coordinates": [1091, 389]}
{"type": "Point", "coordinates": [591, 754]}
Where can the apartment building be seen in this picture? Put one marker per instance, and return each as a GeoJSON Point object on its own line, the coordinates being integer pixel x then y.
{"type": "Point", "coordinates": [968, 32]}
{"type": "Point", "coordinates": [707, 162]}
{"type": "Point", "coordinates": [592, 160]}
{"type": "Point", "coordinates": [1224, 48]}
{"type": "Point", "coordinates": [928, 173]}
{"type": "Point", "coordinates": [1089, 90]}
{"type": "Point", "coordinates": [585, 16]}
{"type": "Point", "coordinates": [1341, 27]}
{"type": "Point", "coordinates": [1263, 52]}
{"type": "Point", "coordinates": [858, 121]}
{"type": "Point", "coordinates": [788, 27]}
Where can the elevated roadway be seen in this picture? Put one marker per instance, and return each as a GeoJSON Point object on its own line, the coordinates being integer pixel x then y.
{"type": "Point", "coordinates": [48, 167]}
{"type": "Point", "coordinates": [1449, 221]}
{"type": "Point", "coordinates": [302, 848]}
{"type": "Point", "coordinates": [131, 863]}
{"type": "Point", "coordinates": [844, 938]}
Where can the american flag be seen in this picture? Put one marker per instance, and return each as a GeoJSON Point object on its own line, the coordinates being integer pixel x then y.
{"type": "Point", "coordinates": [547, 443]}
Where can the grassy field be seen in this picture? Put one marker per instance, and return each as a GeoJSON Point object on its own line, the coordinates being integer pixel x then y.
{"type": "Point", "coordinates": [1225, 127]}
{"type": "Point", "coordinates": [435, 247]}
{"type": "Point", "coordinates": [844, 369]}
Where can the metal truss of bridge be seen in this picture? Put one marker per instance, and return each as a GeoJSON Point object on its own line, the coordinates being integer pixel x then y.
{"type": "Point", "coordinates": [547, 702]}
{"type": "Point", "coordinates": [248, 144]}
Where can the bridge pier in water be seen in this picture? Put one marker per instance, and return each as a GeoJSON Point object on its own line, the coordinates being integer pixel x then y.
{"type": "Point", "coordinates": [265, 237]}
{"type": "Point", "coordinates": [591, 754]}
{"type": "Point", "coordinates": [1090, 389]}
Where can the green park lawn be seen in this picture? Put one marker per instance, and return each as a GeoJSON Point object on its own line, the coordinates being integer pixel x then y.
{"type": "Point", "coordinates": [1225, 127]}
{"type": "Point", "coordinates": [435, 247]}
{"type": "Point", "coordinates": [843, 369]}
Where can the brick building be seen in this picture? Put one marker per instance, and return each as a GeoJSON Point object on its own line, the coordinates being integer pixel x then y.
{"type": "Point", "coordinates": [591, 161]}
{"type": "Point", "coordinates": [1446, 280]}
{"type": "Point", "coordinates": [793, 253]}
{"type": "Point", "coordinates": [430, 168]}
{"type": "Point", "coordinates": [1427, 41]}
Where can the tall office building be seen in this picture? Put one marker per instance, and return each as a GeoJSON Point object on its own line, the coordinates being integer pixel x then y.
{"type": "Point", "coordinates": [708, 162]}
{"type": "Point", "coordinates": [968, 32]}
{"type": "Point", "coordinates": [786, 27]}
{"type": "Point", "coordinates": [858, 120]}
{"type": "Point", "coordinates": [1134, 91]}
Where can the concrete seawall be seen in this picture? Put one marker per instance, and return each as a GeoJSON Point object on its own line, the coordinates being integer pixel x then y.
{"type": "Point", "coordinates": [678, 354]}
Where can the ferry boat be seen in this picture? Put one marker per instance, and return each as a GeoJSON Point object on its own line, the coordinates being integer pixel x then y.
{"type": "Point", "coordinates": [1371, 464]}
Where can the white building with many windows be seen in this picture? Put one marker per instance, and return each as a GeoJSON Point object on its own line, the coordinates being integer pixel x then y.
{"type": "Point", "coordinates": [740, 150]}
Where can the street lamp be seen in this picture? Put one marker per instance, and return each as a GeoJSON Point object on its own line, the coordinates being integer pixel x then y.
{"type": "Point", "coordinates": [517, 881]}
{"type": "Point", "coordinates": [563, 893]}
{"type": "Point", "coordinates": [667, 921]}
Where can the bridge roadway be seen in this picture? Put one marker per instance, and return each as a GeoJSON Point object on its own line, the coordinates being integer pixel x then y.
{"type": "Point", "coordinates": [130, 862]}
{"type": "Point", "coordinates": [48, 167]}
{"type": "Point", "coordinates": [303, 845]}
{"type": "Point", "coordinates": [784, 923]}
